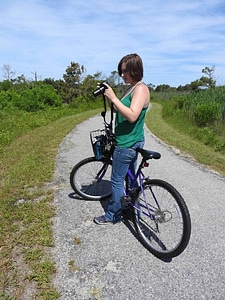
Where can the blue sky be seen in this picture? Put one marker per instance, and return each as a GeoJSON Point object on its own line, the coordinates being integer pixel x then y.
{"type": "Point", "coordinates": [176, 39]}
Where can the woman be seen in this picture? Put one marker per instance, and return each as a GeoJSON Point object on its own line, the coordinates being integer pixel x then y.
{"type": "Point", "coordinates": [129, 131]}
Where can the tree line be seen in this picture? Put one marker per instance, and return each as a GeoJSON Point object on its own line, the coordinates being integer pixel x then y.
{"type": "Point", "coordinates": [75, 88]}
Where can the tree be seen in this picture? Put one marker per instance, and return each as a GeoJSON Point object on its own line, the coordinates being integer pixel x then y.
{"type": "Point", "coordinates": [7, 72]}
{"type": "Point", "coordinates": [163, 88]}
{"type": "Point", "coordinates": [116, 83]}
{"type": "Point", "coordinates": [73, 79]}
{"type": "Point", "coordinates": [88, 86]}
{"type": "Point", "coordinates": [35, 76]}
{"type": "Point", "coordinates": [184, 88]}
{"type": "Point", "coordinates": [21, 80]}
{"type": "Point", "coordinates": [73, 75]}
{"type": "Point", "coordinates": [210, 82]}
{"type": "Point", "coordinates": [114, 79]}
{"type": "Point", "coordinates": [151, 86]}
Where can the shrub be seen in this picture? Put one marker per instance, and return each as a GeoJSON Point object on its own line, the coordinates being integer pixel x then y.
{"type": "Point", "coordinates": [38, 98]}
{"type": "Point", "coordinates": [205, 113]}
{"type": "Point", "coordinates": [6, 98]}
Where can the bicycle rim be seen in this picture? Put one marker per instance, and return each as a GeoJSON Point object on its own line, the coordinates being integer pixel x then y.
{"type": "Point", "coordinates": [162, 219]}
{"type": "Point", "coordinates": [91, 179]}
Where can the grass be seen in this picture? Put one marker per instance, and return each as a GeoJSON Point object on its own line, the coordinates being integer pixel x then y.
{"type": "Point", "coordinates": [173, 134]}
{"type": "Point", "coordinates": [26, 208]}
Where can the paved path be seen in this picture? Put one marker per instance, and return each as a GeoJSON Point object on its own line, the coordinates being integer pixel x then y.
{"type": "Point", "coordinates": [108, 262]}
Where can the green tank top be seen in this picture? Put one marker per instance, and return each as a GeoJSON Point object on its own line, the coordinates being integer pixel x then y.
{"type": "Point", "coordinates": [126, 133]}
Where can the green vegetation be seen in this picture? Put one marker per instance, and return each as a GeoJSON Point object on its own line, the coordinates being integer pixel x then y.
{"type": "Point", "coordinates": [74, 90]}
{"type": "Point", "coordinates": [34, 118]}
{"type": "Point", "coordinates": [194, 123]}
{"type": "Point", "coordinates": [26, 208]}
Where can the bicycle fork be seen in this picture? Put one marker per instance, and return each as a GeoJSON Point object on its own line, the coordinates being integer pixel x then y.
{"type": "Point", "coordinates": [132, 193]}
{"type": "Point", "coordinates": [143, 208]}
{"type": "Point", "coordinates": [101, 172]}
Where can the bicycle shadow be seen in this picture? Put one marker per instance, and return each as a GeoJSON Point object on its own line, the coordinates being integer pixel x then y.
{"type": "Point", "coordinates": [126, 220]}
{"type": "Point", "coordinates": [104, 203]}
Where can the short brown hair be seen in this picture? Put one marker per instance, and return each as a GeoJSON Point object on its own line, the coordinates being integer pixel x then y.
{"type": "Point", "coordinates": [134, 66]}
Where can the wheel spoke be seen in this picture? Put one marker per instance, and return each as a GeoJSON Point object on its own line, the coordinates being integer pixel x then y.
{"type": "Point", "coordinates": [90, 179]}
{"type": "Point", "coordinates": [162, 219]}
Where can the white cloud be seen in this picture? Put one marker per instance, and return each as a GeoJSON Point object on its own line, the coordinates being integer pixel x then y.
{"type": "Point", "coordinates": [176, 39]}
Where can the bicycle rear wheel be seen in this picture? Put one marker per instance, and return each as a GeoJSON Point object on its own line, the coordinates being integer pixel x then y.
{"type": "Point", "coordinates": [162, 219]}
{"type": "Point", "coordinates": [91, 179]}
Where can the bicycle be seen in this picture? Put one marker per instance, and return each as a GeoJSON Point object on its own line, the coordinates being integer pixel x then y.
{"type": "Point", "coordinates": [159, 213]}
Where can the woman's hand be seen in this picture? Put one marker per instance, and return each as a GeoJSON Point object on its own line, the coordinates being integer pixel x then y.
{"type": "Point", "coordinates": [109, 93]}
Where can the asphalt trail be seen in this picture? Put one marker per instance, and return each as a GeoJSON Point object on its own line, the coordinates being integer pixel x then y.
{"type": "Point", "coordinates": [108, 262]}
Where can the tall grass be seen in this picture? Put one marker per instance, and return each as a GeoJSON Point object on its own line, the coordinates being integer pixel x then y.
{"type": "Point", "coordinates": [176, 130]}
{"type": "Point", "coordinates": [206, 106]}
{"type": "Point", "coordinates": [200, 115]}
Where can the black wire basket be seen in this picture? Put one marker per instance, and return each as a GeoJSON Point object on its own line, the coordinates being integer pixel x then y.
{"type": "Point", "coordinates": [98, 141]}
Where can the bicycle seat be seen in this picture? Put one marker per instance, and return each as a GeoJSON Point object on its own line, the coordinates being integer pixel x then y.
{"type": "Point", "coordinates": [147, 154]}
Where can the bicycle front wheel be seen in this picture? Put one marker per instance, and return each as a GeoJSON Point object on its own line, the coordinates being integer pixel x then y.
{"type": "Point", "coordinates": [91, 179]}
{"type": "Point", "coordinates": [162, 219]}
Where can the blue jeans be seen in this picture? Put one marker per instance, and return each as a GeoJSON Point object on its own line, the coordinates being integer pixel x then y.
{"type": "Point", "coordinates": [123, 159]}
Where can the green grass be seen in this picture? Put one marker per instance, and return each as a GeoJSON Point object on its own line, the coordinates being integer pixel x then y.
{"type": "Point", "coordinates": [26, 208]}
{"type": "Point", "coordinates": [179, 133]}
{"type": "Point", "coordinates": [27, 165]}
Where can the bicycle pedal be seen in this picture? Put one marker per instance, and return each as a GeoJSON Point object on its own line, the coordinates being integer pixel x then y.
{"type": "Point", "coordinates": [125, 201]}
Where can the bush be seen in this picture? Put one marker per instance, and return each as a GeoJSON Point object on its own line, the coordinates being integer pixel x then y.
{"type": "Point", "coordinates": [205, 113]}
{"type": "Point", "coordinates": [180, 102]}
{"type": "Point", "coordinates": [6, 98]}
{"type": "Point", "coordinates": [38, 97]}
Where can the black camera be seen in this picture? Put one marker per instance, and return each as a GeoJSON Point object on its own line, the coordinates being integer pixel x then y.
{"type": "Point", "coordinates": [101, 89]}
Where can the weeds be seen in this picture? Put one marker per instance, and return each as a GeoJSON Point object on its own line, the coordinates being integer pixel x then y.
{"type": "Point", "coordinates": [205, 107]}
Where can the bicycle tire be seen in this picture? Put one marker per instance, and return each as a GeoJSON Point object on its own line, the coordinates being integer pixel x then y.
{"type": "Point", "coordinates": [167, 232]}
{"type": "Point", "coordinates": [87, 183]}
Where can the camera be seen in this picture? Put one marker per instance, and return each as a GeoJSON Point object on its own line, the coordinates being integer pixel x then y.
{"type": "Point", "coordinates": [101, 89]}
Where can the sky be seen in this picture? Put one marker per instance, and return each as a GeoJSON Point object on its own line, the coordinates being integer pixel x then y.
{"type": "Point", "coordinates": [176, 39]}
